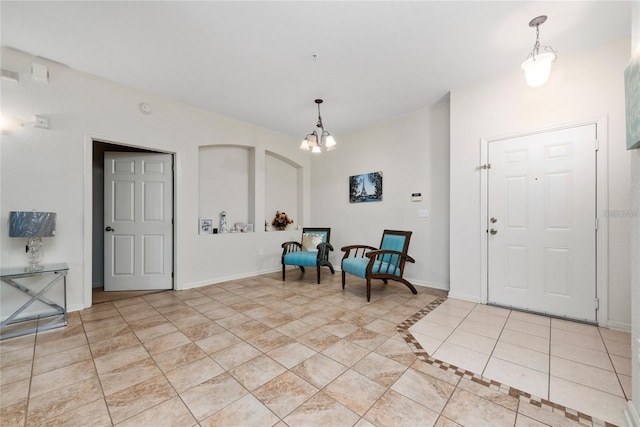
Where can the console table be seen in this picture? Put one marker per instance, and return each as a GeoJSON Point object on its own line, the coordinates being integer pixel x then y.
{"type": "Point", "coordinates": [35, 299]}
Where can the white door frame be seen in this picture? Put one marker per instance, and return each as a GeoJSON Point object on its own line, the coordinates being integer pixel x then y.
{"type": "Point", "coordinates": [602, 206]}
{"type": "Point", "coordinates": [89, 138]}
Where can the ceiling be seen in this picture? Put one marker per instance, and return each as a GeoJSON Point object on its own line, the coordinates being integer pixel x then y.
{"type": "Point", "coordinates": [265, 62]}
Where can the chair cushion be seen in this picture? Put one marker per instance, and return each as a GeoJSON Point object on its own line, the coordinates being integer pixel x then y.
{"type": "Point", "coordinates": [358, 267]}
{"type": "Point", "coordinates": [310, 241]}
{"type": "Point", "coordinates": [303, 258]}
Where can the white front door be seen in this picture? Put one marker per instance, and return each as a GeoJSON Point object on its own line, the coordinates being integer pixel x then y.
{"type": "Point", "coordinates": [542, 222]}
{"type": "Point", "coordinates": [138, 220]}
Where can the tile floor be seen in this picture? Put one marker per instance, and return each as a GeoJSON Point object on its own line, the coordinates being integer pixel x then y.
{"type": "Point", "coordinates": [262, 352]}
{"type": "Point", "coordinates": [575, 365]}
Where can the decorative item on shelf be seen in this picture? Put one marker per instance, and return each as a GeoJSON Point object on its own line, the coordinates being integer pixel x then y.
{"type": "Point", "coordinates": [223, 222]}
{"type": "Point", "coordinates": [537, 67]}
{"type": "Point", "coordinates": [34, 226]}
{"type": "Point", "coordinates": [281, 221]}
{"type": "Point", "coordinates": [206, 226]}
{"type": "Point", "coordinates": [318, 139]}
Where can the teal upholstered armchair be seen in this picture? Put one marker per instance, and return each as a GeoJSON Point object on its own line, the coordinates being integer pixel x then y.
{"type": "Point", "coordinates": [312, 251]}
{"type": "Point", "coordinates": [386, 263]}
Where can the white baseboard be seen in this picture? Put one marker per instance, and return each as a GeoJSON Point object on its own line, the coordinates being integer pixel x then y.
{"type": "Point", "coordinates": [631, 415]}
{"type": "Point", "coordinates": [201, 283]}
{"type": "Point", "coordinates": [618, 326]}
{"type": "Point", "coordinates": [465, 297]}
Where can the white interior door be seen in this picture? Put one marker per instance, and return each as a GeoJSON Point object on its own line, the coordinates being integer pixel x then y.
{"type": "Point", "coordinates": [138, 220]}
{"type": "Point", "coordinates": [542, 222]}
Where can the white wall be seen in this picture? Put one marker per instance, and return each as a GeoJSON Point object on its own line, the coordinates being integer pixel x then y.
{"type": "Point", "coordinates": [583, 86]}
{"type": "Point", "coordinates": [52, 170]}
{"type": "Point", "coordinates": [635, 241]}
{"type": "Point", "coordinates": [412, 152]}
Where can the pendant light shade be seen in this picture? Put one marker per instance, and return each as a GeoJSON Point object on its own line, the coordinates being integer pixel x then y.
{"type": "Point", "coordinates": [537, 67]}
{"type": "Point", "coordinates": [319, 139]}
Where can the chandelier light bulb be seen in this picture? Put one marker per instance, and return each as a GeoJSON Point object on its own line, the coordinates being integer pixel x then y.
{"type": "Point", "coordinates": [319, 139]}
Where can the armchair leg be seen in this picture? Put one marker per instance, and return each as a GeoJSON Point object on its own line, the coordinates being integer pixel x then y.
{"type": "Point", "coordinates": [343, 274]}
{"type": "Point", "coordinates": [368, 290]}
{"type": "Point", "coordinates": [318, 273]}
{"type": "Point", "coordinates": [283, 266]}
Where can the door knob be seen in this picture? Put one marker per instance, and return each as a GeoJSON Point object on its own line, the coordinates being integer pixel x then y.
{"type": "Point", "coordinates": [493, 220]}
{"type": "Point", "coordinates": [493, 231]}
{"type": "Point", "coordinates": [109, 229]}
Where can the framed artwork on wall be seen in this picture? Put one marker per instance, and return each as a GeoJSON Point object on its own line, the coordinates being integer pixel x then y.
{"type": "Point", "coordinates": [632, 100]}
{"type": "Point", "coordinates": [206, 226]}
{"type": "Point", "coordinates": [366, 187]}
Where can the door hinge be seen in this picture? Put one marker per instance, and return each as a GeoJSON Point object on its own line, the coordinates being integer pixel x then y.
{"type": "Point", "coordinates": [597, 144]}
{"type": "Point", "coordinates": [486, 166]}
{"type": "Point", "coordinates": [597, 301]}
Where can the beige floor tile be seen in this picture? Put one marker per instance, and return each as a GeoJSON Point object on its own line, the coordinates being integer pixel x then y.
{"type": "Point", "coordinates": [246, 411]}
{"type": "Point", "coordinates": [577, 339]}
{"type": "Point", "coordinates": [319, 370]}
{"type": "Point", "coordinates": [579, 328]}
{"type": "Point", "coordinates": [490, 394]}
{"type": "Point", "coordinates": [218, 342]}
{"type": "Point", "coordinates": [614, 335]}
{"type": "Point", "coordinates": [62, 400]}
{"type": "Point", "coordinates": [172, 412]}
{"type": "Point", "coordinates": [398, 350]}
{"type": "Point", "coordinates": [625, 382]}
{"type": "Point", "coordinates": [166, 342]}
{"type": "Point", "coordinates": [63, 377]}
{"type": "Point", "coordinates": [257, 372]}
{"type": "Point", "coordinates": [346, 352]}
{"type": "Point", "coordinates": [179, 356]}
{"type": "Point", "coordinates": [444, 319]}
{"type": "Point", "coordinates": [462, 357]}
{"type": "Point", "coordinates": [472, 341]}
{"type": "Point", "coordinates": [619, 348]}
{"type": "Point", "coordinates": [209, 397]}
{"type": "Point", "coordinates": [522, 356]}
{"type": "Point", "coordinates": [194, 373]}
{"type": "Point", "coordinates": [382, 327]}
{"type": "Point", "coordinates": [586, 375]}
{"type": "Point", "coordinates": [424, 389]}
{"type": "Point", "coordinates": [467, 409]}
{"type": "Point", "coordinates": [118, 359]}
{"type": "Point", "coordinates": [285, 393]}
{"type": "Point", "coordinates": [270, 340]}
{"type": "Point", "coordinates": [318, 339]}
{"type": "Point", "coordinates": [321, 410]}
{"type": "Point", "coordinates": [138, 398]}
{"type": "Point", "coordinates": [355, 391]}
{"type": "Point", "coordinates": [543, 331]}
{"type": "Point", "coordinates": [289, 355]}
{"type": "Point", "coordinates": [15, 372]}
{"type": "Point", "coordinates": [622, 365]}
{"type": "Point", "coordinates": [366, 338]}
{"type": "Point", "coordinates": [520, 377]}
{"type": "Point", "coordinates": [488, 318]}
{"type": "Point", "coordinates": [525, 340]}
{"type": "Point", "coordinates": [453, 310]}
{"type": "Point", "coordinates": [250, 329]}
{"type": "Point", "coordinates": [235, 355]}
{"type": "Point", "coordinates": [339, 328]}
{"type": "Point", "coordinates": [530, 317]}
{"type": "Point", "coordinates": [394, 409]}
{"type": "Point", "coordinates": [14, 392]}
{"type": "Point", "coordinates": [597, 403]}
{"type": "Point", "coordinates": [425, 327]}
{"type": "Point", "coordinates": [524, 421]}
{"type": "Point", "coordinates": [484, 329]}
{"type": "Point", "coordinates": [127, 376]}
{"type": "Point", "coordinates": [578, 354]}
{"type": "Point", "coordinates": [429, 344]}
{"type": "Point", "coordinates": [380, 369]}
{"type": "Point", "coordinates": [94, 414]}
{"type": "Point", "coordinates": [112, 345]}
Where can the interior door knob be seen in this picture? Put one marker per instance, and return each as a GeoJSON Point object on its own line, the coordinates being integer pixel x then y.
{"type": "Point", "coordinates": [493, 231]}
{"type": "Point", "coordinates": [109, 229]}
{"type": "Point", "coordinates": [493, 220]}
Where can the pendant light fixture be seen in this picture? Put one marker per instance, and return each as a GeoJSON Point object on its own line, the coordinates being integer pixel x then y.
{"type": "Point", "coordinates": [537, 67]}
{"type": "Point", "coordinates": [319, 139]}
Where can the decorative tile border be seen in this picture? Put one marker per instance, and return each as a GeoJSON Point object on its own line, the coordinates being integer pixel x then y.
{"type": "Point", "coordinates": [524, 397]}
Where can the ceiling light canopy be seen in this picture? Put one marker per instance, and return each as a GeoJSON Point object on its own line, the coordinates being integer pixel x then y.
{"type": "Point", "coordinates": [537, 67]}
{"type": "Point", "coordinates": [319, 139]}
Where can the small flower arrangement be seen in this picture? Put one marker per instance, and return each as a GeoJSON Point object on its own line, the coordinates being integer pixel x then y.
{"type": "Point", "coordinates": [281, 220]}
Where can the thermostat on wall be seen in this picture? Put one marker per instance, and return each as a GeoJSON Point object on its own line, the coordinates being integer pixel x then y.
{"type": "Point", "coordinates": [416, 197]}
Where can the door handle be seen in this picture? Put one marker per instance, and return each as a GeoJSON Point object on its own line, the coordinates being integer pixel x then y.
{"type": "Point", "coordinates": [493, 231]}
{"type": "Point", "coordinates": [109, 229]}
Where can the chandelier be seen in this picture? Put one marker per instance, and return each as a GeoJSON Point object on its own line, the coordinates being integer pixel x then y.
{"type": "Point", "coordinates": [537, 67]}
{"type": "Point", "coordinates": [318, 139]}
